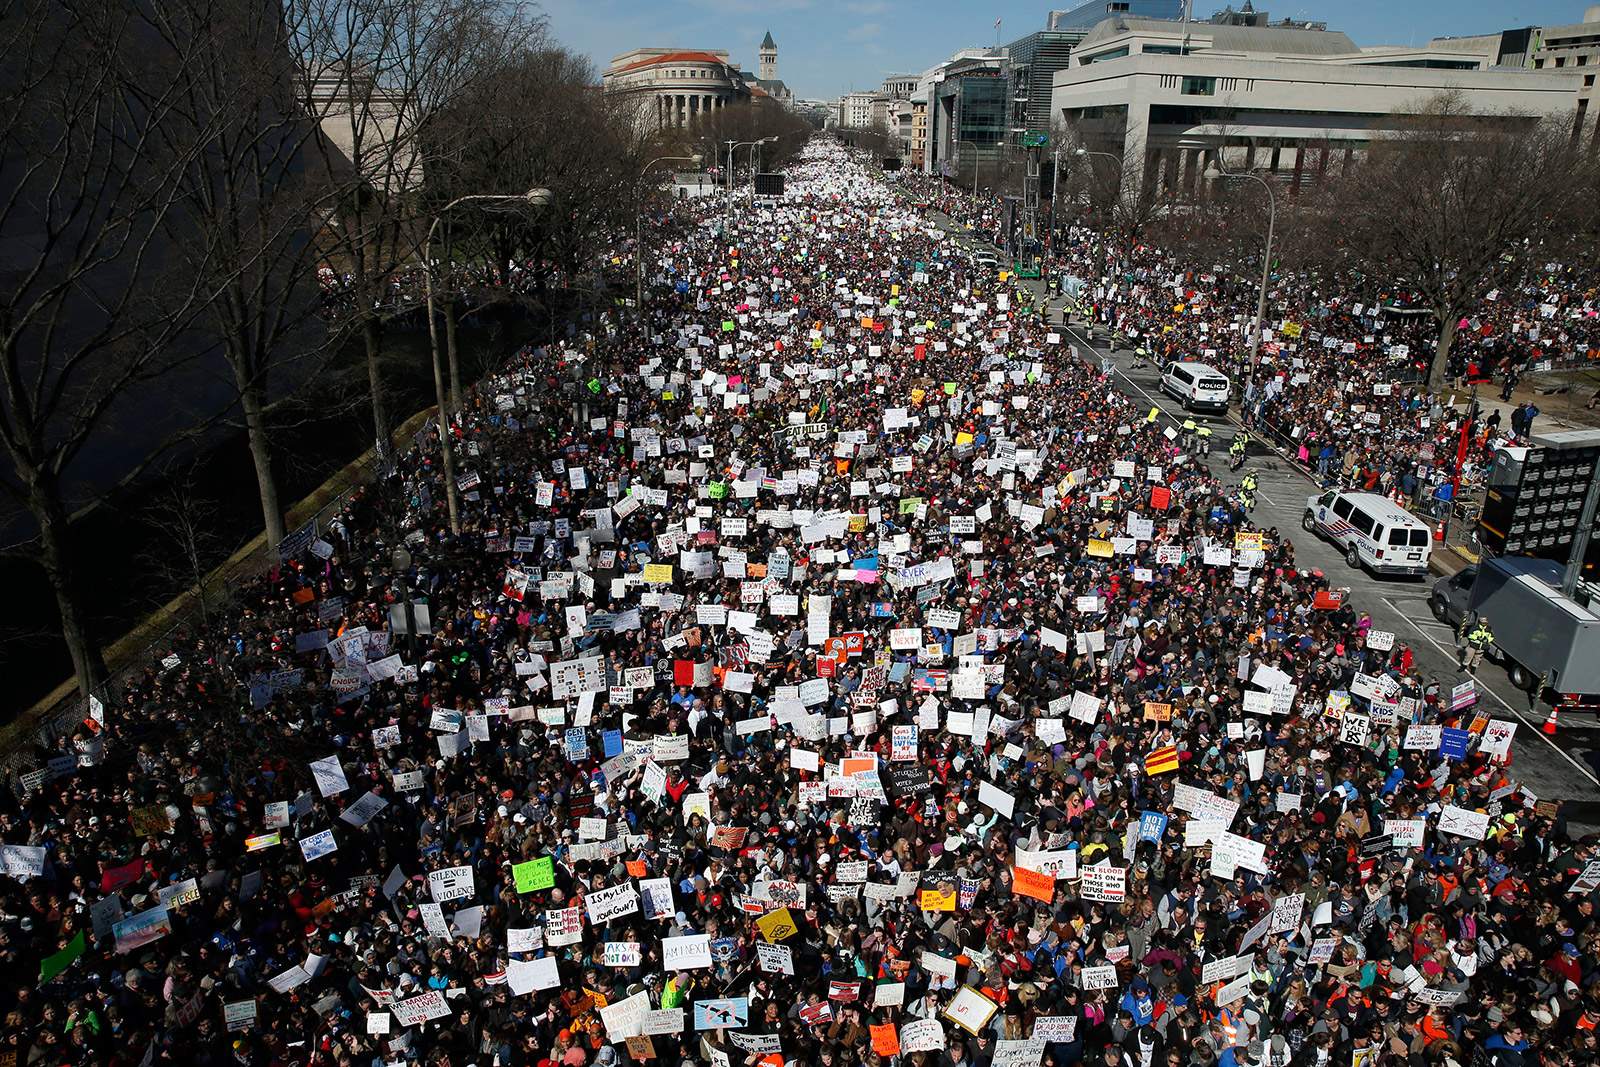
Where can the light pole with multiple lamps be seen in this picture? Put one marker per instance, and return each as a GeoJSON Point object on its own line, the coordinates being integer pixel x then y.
{"type": "Point", "coordinates": [533, 197]}
{"type": "Point", "coordinates": [734, 146]}
{"type": "Point", "coordinates": [638, 233]}
{"type": "Point", "coordinates": [1215, 171]}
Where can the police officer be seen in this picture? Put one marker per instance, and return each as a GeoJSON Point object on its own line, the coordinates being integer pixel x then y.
{"type": "Point", "coordinates": [1204, 433]}
{"type": "Point", "coordinates": [1236, 450]}
{"type": "Point", "coordinates": [1476, 638]}
{"type": "Point", "coordinates": [1247, 490]}
{"type": "Point", "coordinates": [1188, 434]}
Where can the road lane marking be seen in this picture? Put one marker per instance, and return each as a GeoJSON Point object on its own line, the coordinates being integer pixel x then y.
{"type": "Point", "coordinates": [1564, 754]}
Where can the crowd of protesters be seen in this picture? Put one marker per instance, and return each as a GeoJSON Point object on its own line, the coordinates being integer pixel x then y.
{"type": "Point", "coordinates": [830, 668]}
{"type": "Point", "coordinates": [1338, 381]}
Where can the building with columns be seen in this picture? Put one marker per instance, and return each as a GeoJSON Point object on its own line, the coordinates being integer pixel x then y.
{"type": "Point", "coordinates": [673, 87]}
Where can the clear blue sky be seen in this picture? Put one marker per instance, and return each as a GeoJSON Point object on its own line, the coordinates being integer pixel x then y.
{"type": "Point", "coordinates": [827, 47]}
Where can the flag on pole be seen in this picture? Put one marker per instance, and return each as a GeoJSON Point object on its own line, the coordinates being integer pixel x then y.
{"type": "Point", "coordinates": [1161, 760]}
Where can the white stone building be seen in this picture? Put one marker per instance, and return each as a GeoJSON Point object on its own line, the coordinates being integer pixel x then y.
{"type": "Point", "coordinates": [1170, 97]}
{"type": "Point", "coordinates": [673, 87]}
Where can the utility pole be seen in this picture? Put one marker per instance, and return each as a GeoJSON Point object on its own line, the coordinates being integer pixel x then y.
{"type": "Point", "coordinates": [1055, 179]}
{"type": "Point", "coordinates": [730, 184]}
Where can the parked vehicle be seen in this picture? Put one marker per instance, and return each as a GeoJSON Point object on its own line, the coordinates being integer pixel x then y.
{"type": "Point", "coordinates": [1545, 639]}
{"type": "Point", "coordinates": [1197, 386]}
{"type": "Point", "coordinates": [1375, 532]}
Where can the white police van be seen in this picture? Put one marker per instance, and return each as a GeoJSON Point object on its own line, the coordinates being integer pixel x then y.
{"type": "Point", "coordinates": [1375, 532]}
{"type": "Point", "coordinates": [1197, 386]}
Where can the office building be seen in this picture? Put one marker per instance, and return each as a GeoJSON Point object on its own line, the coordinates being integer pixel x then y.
{"type": "Point", "coordinates": [1170, 97]}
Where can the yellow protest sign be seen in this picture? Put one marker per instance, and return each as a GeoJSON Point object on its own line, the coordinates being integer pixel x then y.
{"type": "Point", "coordinates": [657, 573]}
{"type": "Point", "coordinates": [894, 290]}
{"type": "Point", "coordinates": [777, 926]}
{"type": "Point", "coordinates": [1250, 541]}
{"type": "Point", "coordinates": [1152, 416]}
{"type": "Point", "coordinates": [963, 439]}
{"type": "Point", "coordinates": [941, 899]}
{"type": "Point", "coordinates": [1100, 548]}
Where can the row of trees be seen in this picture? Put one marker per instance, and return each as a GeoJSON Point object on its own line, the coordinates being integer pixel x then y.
{"type": "Point", "coordinates": [201, 203]}
{"type": "Point", "coordinates": [1443, 208]}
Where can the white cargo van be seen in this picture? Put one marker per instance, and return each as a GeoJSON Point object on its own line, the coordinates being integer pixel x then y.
{"type": "Point", "coordinates": [1374, 531]}
{"type": "Point", "coordinates": [1197, 386]}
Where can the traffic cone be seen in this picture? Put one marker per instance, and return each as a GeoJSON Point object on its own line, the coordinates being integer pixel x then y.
{"type": "Point", "coordinates": [1549, 726]}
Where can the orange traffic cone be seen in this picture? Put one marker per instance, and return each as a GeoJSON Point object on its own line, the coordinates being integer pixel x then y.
{"type": "Point", "coordinates": [1549, 726]}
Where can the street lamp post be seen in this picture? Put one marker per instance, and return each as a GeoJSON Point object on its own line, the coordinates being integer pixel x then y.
{"type": "Point", "coordinates": [535, 197]}
{"type": "Point", "coordinates": [1084, 153]}
{"type": "Point", "coordinates": [1055, 179]}
{"type": "Point", "coordinates": [733, 146]}
{"type": "Point", "coordinates": [638, 232]}
{"type": "Point", "coordinates": [975, 160]}
{"type": "Point", "coordinates": [1215, 171]}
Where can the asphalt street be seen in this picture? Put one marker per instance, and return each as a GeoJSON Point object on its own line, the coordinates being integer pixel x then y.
{"type": "Point", "coordinates": [1563, 767]}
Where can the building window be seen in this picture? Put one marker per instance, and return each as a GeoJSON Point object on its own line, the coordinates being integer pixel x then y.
{"type": "Point", "coordinates": [1561, 61]}
{"type": "Point", "coordinates": [1199, 87]}
{"type": "Point", "coordinates": [1538, 64]}
{"type": "Point", "coordinates": [1588, 80]}
{"type": "Point", "coordinates": [1583, 61]}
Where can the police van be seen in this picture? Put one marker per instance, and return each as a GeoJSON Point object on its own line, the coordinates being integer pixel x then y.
{"type": "Point", "coordinates": [1375, 532]}
{"type": "Point", "coordinates": [1196, 386]}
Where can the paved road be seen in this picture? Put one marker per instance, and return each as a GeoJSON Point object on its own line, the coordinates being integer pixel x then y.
{"type": "Point", "coordinates": [1563, 767]}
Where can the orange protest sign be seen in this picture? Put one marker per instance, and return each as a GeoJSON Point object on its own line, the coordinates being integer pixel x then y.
{"type": "Point", "coordinates": [1158, 712]}
{"type": "Point", "coordinates": [637, 869]}
{"type": "Point", "coordinates": [885, 1040]}
{"type": "Point", "coordinates": [1033, 884]}
{"type": "Point", "coordinates": [937, 899]}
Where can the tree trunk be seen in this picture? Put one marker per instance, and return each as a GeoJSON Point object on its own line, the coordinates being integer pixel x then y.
{"type": "Point", "coordinates": [56, 557]}
{"type": "Point", "coordinates": [450, 352]}
{"type": "Point", "coordinates": [372, 337]}
{"type": "Point", "coordinates": [1441, 352]}
{"type": "Point", "coordinates": [255, 422]}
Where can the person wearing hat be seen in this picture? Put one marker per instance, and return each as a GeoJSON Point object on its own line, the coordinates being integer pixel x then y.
{"type": "Point", "coordinates": [1476, 637]}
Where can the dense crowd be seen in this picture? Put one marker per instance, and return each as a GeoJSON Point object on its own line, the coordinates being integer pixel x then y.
{"type": "Point", "coordinates": [1340, 379]}
{"type": "Point", "coordinates": [831, 668]}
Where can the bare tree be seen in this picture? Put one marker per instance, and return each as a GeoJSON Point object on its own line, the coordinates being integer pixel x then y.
{"type": "Point", "coordinates": [372, 75]}
{"type": "Point", "coordinates": [537, 123]}
{"type": "Point", "coordinates": [1450, 206]}
{"type": "Point", "coordinates": [90, 313]}
{"type": "Point", "coordinates": [188, 543]}
{"type": "Point", "coordinates": [245, 221]}
{"type": "Point", "coordinates": [756, 121]}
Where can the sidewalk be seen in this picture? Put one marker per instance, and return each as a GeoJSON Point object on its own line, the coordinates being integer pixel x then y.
{"type": "Point", "coordinates": [1564, 410]}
